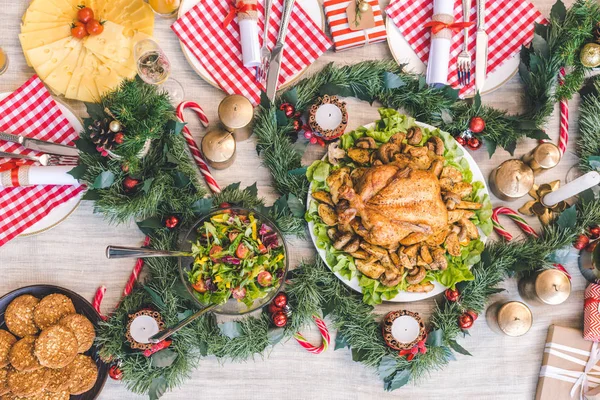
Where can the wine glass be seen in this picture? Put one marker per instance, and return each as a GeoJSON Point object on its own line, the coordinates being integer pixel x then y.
{"type": "Point", "coordinates": [154, 68]}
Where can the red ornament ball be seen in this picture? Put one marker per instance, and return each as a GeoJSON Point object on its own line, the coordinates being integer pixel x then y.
{"type": "Point", "coordinates": [129, 183]}
{"type": "Point", "coordinates": [465, 321]}
{"type": "Point", "coordinates": [581, 242]}
{"type": "Point", "coordinates": [473, 314]}
{"type": "Point", "coordinates": [119, 138]}
{"type": "Point", "coordinates": [280, 319]}
{"type": "Point", "coordinates": [477, 125]}
{"type": "Point", "coordinates": [474, 143]}
{"type": "Point", "coordinates": [115, 373]}
{"type": "Point", "coordinates": [224, 205]}
{"type": "Point", "coordinates": [289, 111]}
{"type": "Point", "coordinates": [461, 140]}
{"type": "Point", "coordinates": [452, 295]}
{"type": "Point", "coordinates": [171, 222]}
{"type": "Point", "coordinates": [280, 300]}
{"type": "Point", "coordinates": [273, 309]}
{"type": "Point", "coordinates": [594, 232]}
{"type": "Point", "coordinates": [297, 125]}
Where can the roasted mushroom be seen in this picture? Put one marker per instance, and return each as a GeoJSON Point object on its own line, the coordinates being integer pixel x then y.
{"type": "Point", "coordinates": [390, 278]}
{"type": "Point", "coordinates": [327, 214]}
{"type": "Point", "coordinates": [366, 142]}
{"type": "Point", "coordinates": [440, 262]}
{"type": "Point", "coordinates": [397, 138]}
{"type": "Point", "coordinates": [372, 269]}
{"type": "Point", "coordinates": [342, 240]}
{"type": "Point", "coordinates": [414, 135]}
{"type": "Point", "coordinates": [451, 199]}
{"type": "Point", "coordinates": [386, 152]}
{"type": "Point", "coordinates": [331, 233]}
{"type": "Point", "coordinates": [323, 197]}
{"type": "Point", "coordinates": [416, 275]}
{"type": "Point", "coordinates": [436, 145]}
{"type": "Point", "coordinates": [453, 245]}
{"type": "Point", "coordinates": [471, 229]}
{"type": "Point", "coordinates": [352, 246]}
{"type": "Point", "coordinates": [361, 156]}
{"type": "Point", "coordinates": [464, 189]}
{"type": "Point", "coordinates": [335, 153]}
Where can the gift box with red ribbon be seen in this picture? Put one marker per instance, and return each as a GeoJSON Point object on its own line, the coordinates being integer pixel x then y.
{"type": "Point", "coordinates": [591, 313]}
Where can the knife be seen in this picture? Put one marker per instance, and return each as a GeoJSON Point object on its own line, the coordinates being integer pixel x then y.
{"type": "Point", "coordinates": [481, 47]}
{"type": "Point", "coordinates": [40, 145]}
{"type": "Point", "coordinates": [277, 53]}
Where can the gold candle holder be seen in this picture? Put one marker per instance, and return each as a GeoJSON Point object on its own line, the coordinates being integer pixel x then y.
{"type": "Point", "coordinates": [511, 180]}
{"type": "Point", "coordinates": [550, 286]}
{"type": "Point", "coordinates": [545, 156]}
{"type": "Point", "coordinates": [218, 148]}
{"type": "Point", "coordinates": [511, 319]}
{"type": "Point", "coordinates": [236, 113]}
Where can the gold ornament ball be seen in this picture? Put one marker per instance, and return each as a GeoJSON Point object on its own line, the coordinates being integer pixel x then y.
{"type": "Point", "coordinates": [114, 126]}
{"type": "Point", "coordinates": [590, 55]}
{"type": "Point", "coordinates": [364, 6]}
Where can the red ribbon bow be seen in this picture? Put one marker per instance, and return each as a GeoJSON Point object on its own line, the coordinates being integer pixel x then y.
{"type": "Point", "coordinates": [240, 8]}
{"type": "Point", "coordinates": [437, 26]}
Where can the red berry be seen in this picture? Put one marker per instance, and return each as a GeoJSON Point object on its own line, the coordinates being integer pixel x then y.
{"type": "Point", "coordinates": [289, 110]}
{"type": "Point", "coordinates": [297, 115]}
{"type": "Point", "coordinates": [280, 319]}
{"type": "Point", "coordinates": [280, 300]}
{"type": "Point", "coordinates": [308, 134]}
{"type": "Point", "coordinates": [474, 143]}
{"type": "Point", "coordinates": [119, 138]}
{"type": "Point", "coordinates": [129, 183]}
{"type": "Point", "coordinates": [452, 295]}
{"type": "Point", "coordinates": [171, 222]}
{"type": "Point", "coordinates": [581, 242]}
{"type": "Point", "coordinates": [224, 205]}
{"type": "Point", "coordinates": [115, 373]}
{"type": "Point", "coordinates": [594, 232]}
{"type": "Point", "coordinates": [297, 125]}
{"type": "Point", "coordinates": [460, 140]}
{"type": "Point", "coordinates": [282, 106]}
{"type": "Point", "coordinates": [264, 278]}
{"type": "Point", "coordinates": [473, 314]}
{"type": "Point", "coordinates": [274, 309]}
{"type": "Point", "coordinates": [465, 321]}
{"type": "Point", "coordinates": [477, 125]}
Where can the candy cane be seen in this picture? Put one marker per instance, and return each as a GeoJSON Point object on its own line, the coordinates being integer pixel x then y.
{"type": "Point", "coordinates": [521, 223]}
{"type": "Point", "coordinates": [325, 338]}
{"type": "Point", "coordinates": [563, 138]}
{"type": "Point", "coordinates": [139, 264]}
{"type": "Point", "coordinates": [210, 180]}
{"type": "Point", "coordinates": [98, 301]}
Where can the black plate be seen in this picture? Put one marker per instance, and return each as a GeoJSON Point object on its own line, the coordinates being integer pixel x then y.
{"type": "Point", "coordinates": [83, 307]}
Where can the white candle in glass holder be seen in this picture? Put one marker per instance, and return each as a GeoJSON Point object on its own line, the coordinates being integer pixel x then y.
{"type": "Point", "coordinates": [572, 188]}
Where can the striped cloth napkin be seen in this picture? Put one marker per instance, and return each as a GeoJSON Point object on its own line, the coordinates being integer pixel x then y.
{"type": "Point", "coordinates": [219, 49]}
{"type": "Point", "coordinates": [509, 25]}
{"type": "Point", "coordinates": [345, 38]}
{"type": "Point", "coordinates": [31, 111]}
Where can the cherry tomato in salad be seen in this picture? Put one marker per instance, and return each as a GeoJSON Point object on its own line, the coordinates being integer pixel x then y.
{"type": "Point", "coordinates": [265, 278]}
{"type": "Point", "coordinates": [78, 30]}
{"type": "Point", "coordinates": [85, 15]}
{"type": "Point", "coordinates": [214, 250]}
{"type": "Point", "coordinates": [233, 235]}
{"type": "Point", "coordinates": [94, 27]}
{"type": "Point", "coordinates": [241, 251]}
{"type": "Point", "coordinates": [199, 286]}
{"type": "Point", "coordinates": [238, 293]}
{"type": "Point", "coordinates": [262, 248]}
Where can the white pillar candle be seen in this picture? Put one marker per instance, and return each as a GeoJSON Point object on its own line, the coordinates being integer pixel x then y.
{"type": "Point", "coordinates": [328, 116]}
{"type": "Point", "coordinates": [250, 45]}
{"type": "Point", "coordinates": [572, 188]}
{"type": "Point", "coordinates": [405, 329]}
{"type": "Point", "coordinates": [439, 50]}
{"type": "Point", "coordinates": [142, 328]}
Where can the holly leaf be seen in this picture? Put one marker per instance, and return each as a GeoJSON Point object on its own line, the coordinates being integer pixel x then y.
{"type": "Point", "coordinates": [264, 100]}
{"type": "Point", "coordinates": [147, 185]}
{"type": "Point", "coordinates": [184, 315]}
{"type": "Point", "coordinates": [298, 171]}
{"type": "Point", "coordinates": [510, 147]}
{"type": "Point", "coordinates": [534, 62]}
{"type": "Point", "coordinates": [558, 11]}
{"type": "Point", "coordinates": [358, 355]}
{"type": "Point", "coordinates": [328, 308]}
{"type": "Point", "coordinates": [157, 388]}
{"type": "Point", "coordinates": [231, 329]}
{"type": "Point", "coordinates": [435, 338]}
{"type": "Point", "coordinates": [541, 30]}
{"type": "Point", "coordinates": [477, 101]}
{"type": "Point", "coordinates": [163, 358]}
{"type": "Point", "coordinates": [537, 134]}
{"type": "Point", "coordinates": [490, 146]}
{"type": "Point", "coordinates": [422, 82]}
{"type": "Point", "coordinates": [91, 194]}
{"type": "Point", "coordinates": [450, 93]}
{"type": "Point", "coordinates": [290, 96]}
{"type": "Point", "coordinates": [340, 341]}
{"type": "Point", "coordinates": [95, 110]}
{"type": "Point", "coordinates": [458, 348]}
{"type": "Point", "coordinates": [275, 335]}
{"type": "Point", "coordinates": [148, 226]}
{"type": "Point", "coordinates": [446, 117]}
{"type": "Point", "coordinates": [336, 90]}
{"type": "Point", "coordinates": [392, 81]}
{"type": "Point", "coordinates": [155, 298]}
{"type": "Point", "coordinates": [567, 218]}
{"type": "Point", "coordinates": [295, 205]}
{"type": "Point", "coordinates": [202, 206]}
{"type": "Point", "coordinates": [86, 146]}
{"type": "Point", "coordinates": [78, 171]}
{"type": "Point", "coordinates": [387, 366]}
{"type": "Point", "coordinates": [252, 190]}
{"type": "Point", "coordinates": [540, 46]}
{"type": "Point", "coordinates": [233, 186]}
{"type": "Point", "coordinates": [180, 179]}
{"type": "Point", "coordinates": [587, 196]}
{"type": "Point", "coordinates": [594, 162]}
{"type": "Point", "coordinates": [282, 120]}
{"type": "Point", "coordinates": [175, 126]}
{"type": "Point", "coordinates": [104, 180]}
{"type": "Point", "coordinates": [397, 380]}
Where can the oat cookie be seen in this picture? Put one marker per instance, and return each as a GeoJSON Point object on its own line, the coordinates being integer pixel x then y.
{"type": "Point", "coordinates": [27, 383]}
{"type": "Point", "coordinates": [84, 373]}
{"type": "Point", "coordinates": [59, 380]}
{"type": "Point", "coordinates": [19, 315]}
{"type": "Point", "coordinates": [56, 347]}
{"type": "Point", "coordinates": [6, 343]}
{"type": "Point", "coordinates": [46, 395]}
{"type": "Point", "coordinates": [82, 328]}
{"type": "Point", "coordinates": [3, 381]}
{"type": "Point", "coordinates": [51, 309]}
{"type": "Point", "coordinates": [21, 355]}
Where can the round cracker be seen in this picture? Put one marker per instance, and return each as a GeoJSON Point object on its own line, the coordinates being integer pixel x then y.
{"type": "Point", "coordinates": [84, 373]}
{"type": "Point", "coordinates": [27, 383]}
{"type": "Point", "coordinates": [56, 347]}
{"type": "Point", "coordinates": [3, 381]}
{"type": "Point", "coordinates": [59, 380]}
{"type": "Point", "coordinates": [51, 309]}
{"type": "Point", "coordinates": [22, 357]}
{"type": "Point", "coordinates": [46, 395]}
{"type": "Point", "coordinates": [7, 340]}
{"type": "Point", "coordinates": [19, 315]}
{"type": "Point", "coordinates": [84, 330]}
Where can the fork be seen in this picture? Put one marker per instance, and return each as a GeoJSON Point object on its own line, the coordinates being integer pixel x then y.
{"type": "Point", "coordinates": [464, 58]}
{"type": "Point", "coordinates": [265, 53]}
{"type": "Point", "coordinates": [47, 160]}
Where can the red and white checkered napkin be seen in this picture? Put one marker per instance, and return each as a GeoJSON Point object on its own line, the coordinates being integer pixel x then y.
{"type": "Point", "coordinates": [219, 49]}
{"type": "Point", "coordinates": [509, 25]}
{"type": "Point", "coordinates": [31, 111]}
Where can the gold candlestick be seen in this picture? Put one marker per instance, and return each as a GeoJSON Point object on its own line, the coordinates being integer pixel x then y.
{"type": "Point", "coordinates": [235, 113]}
{"type": "Point", "coordinates": [511, 180]}
{"type": "Point", "coordinates": [512, 319]}
{"type": "Point", "coordinates": [550, 286]}
{"type": "Point", "coordinates": [545, 156]}
{"type": "Point", "coordinates": [218, 148]}
{"type": "Point", "coordinates": [536, 207]}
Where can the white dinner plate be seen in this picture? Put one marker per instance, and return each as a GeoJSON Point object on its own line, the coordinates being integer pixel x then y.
{"type": "Point", "coordinates": [404, 54]}
{"type": "Point", "coordinates": [312, 7]}
{"type": "Point", "coordinates": [401, 297]}
{"type": "Point", "coordinates": [61, 212]}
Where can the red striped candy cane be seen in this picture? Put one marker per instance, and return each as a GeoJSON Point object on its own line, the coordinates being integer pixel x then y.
{"type": "Point", "coordinates": [98, 301]}
{"type": "Point", "coordinates": [210, 180]}
{"type": "Point", "coordinates": [563, 137]}
{"type": "Point", "coordinates": [325, 338]}
{"type": "Point", "coordinates": [521, 223]}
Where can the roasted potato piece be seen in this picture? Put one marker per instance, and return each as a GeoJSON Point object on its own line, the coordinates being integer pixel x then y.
{"type": "Point", "coordinates": [414, 135]}
{"type": "Point", "coordinates": [456, 215]}
{"type": "Point", "coordinates": [359, 254]}
{"type": "Point", "coordinates": [425, 288]}
{"type": "Point", "coordinates": [342, 240]}
{"type": "Point", "coordinates": [331, 233]}
{"type": "Point", "coordinates": [322, 197]}
{"type": "Point", "coordinates": [436, 145]}
{"type": "Point", "coordinates": [357, 173]}
{"type": "Point", "coordinates": [446, 184]}
{"type": "Point", "coordinates": [376, 251]}
{"type": "Point", "coordinates": [395, 259]}
{"type": "Point", "coordinates": [405, 260]}
{"type": "Point", "coordinates": [418, 152]}
{"type": "Point", "coordinates": [366, 142]}
{"type": "Point", "coordinates": [470, 227]}
{"type": "Point", "coordinates": [327, 214]}
{"type": "Point", "coordinates": [371, 269]}
{"type": "Point", "coordinates": [390, 278]}
{"type": "Point", "coordinates": [452, 173]}
{"type": "Point", "coordinates": [352, 246]}
{"type": "Point", "coordinates": [453, 245]}
{"type": "Point", "coordinates": [436, 167]}
{"type": "Point", "coordinates": [361, 156]}
{"type": "Point", "coordinates": [440, 262]}
{"type": "Point", "coordinates": [411, 251]}
{"type": "Point", "coordinates": [337, 179]}
{"type": "Point", "coordinates": [463, 237]}
{"type": "Point", "coordinates": [416, 275]}
{"type": "Point", "coordinates": [426, 254]}
{"type": "Point", "coordinates": [469, 205]}
{"type": "Point", "coordinates": [463, 189]}
{"type": "Point", "coordinates": [438, 238]}
{"type": "Point", "coordinates": [415, 237]}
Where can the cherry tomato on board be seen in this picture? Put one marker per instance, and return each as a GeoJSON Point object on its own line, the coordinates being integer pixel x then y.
{"type": "Point", "coordinates": [85, 15]}
{"type": "Point", "coordinates": [94, 27]}
{"type": "Point", "coordinates": [78, 30]}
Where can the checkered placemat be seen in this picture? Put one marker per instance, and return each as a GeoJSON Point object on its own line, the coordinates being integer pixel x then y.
{"type": "Point", "coordinates": [31, 111]}
{"type": "Point", "coordinates": [219, 49]}
{"type": "Point", "coordinates": [509, 25]}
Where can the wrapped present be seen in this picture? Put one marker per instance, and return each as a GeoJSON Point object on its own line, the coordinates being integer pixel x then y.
{"type": "Point", "coordinates": [345, 36]}
{"type": "Point", "coordinates": [569, 367]}
{"type": "Point", "coordinates": [591, 313]}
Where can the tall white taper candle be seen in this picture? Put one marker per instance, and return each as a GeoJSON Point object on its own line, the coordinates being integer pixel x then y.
{"type": "Point", "coordinates": [577, 186]}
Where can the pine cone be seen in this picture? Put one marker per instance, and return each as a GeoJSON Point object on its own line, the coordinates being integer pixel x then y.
{"type": "Point", "coordinates": [101, 135]}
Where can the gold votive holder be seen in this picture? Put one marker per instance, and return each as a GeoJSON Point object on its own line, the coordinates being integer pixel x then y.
{"type": "Point", "coordinates": [511, 319]}
{"type": "Point", "coordinates": [511, 180]}
{"type": "Point", "coordinates": [545, 156]}
{"type": "Point", "coordinates": [550, 287]}
{"type": "Point", "coordinates": [218, 147]}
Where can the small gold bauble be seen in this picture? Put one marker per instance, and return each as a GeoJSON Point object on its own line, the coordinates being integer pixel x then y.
{"type": "Point", "coordinates": [590, 55]}
{"type": "Point", "coordinates": [218, 147]}
{"type": "Point", "coordinates": [235, 111]}
{"type": "Point", "coordinates": [364, 6]}
{"type": "Point", "coordinates": [114, 126]}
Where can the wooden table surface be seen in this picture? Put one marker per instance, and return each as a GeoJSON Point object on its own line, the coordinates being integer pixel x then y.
{"type": "Point", "coordinates": [72, 255]}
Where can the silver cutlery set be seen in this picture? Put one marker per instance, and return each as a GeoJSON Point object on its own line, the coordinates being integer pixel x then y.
{"type": "Point", "coordinates": [54, 153]}
{"type": "Point", "coordinates": [481, 48]}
